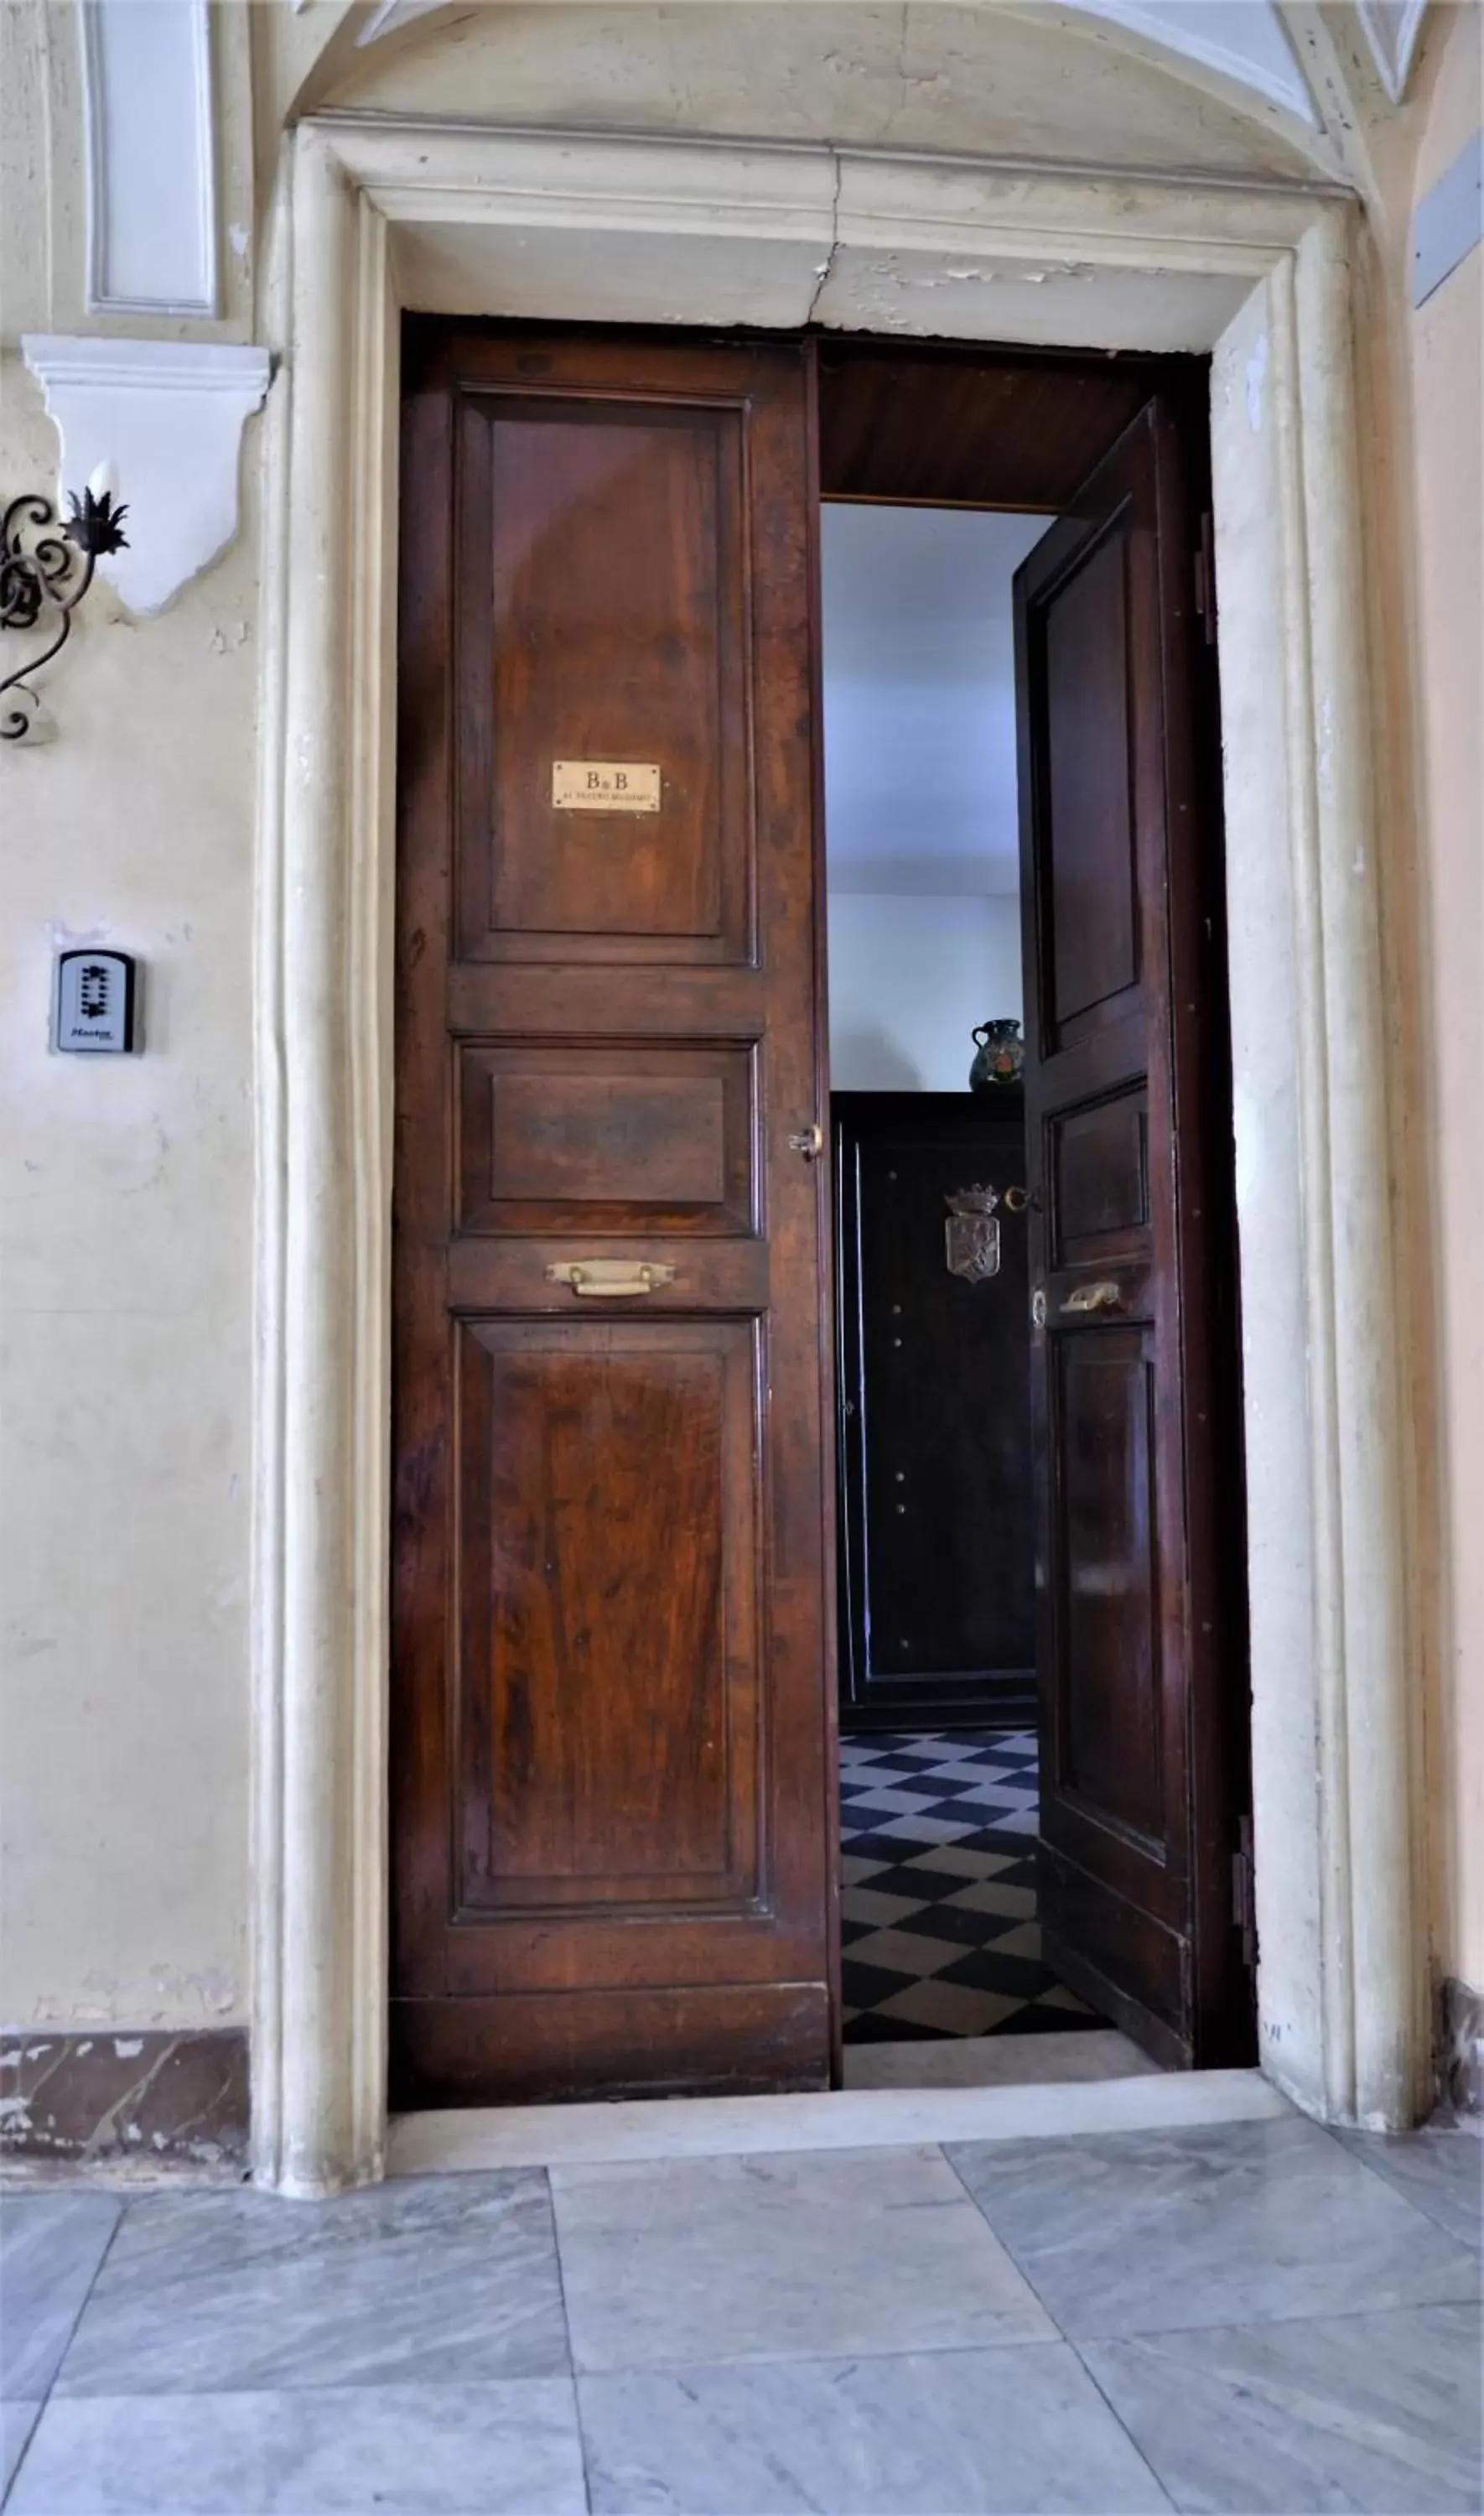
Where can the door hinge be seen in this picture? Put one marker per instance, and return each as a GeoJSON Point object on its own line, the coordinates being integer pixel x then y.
{"type": "Point", "coordinates": [1244, 1897]}
{"type": "Point", "coordinates": [1206, 580]}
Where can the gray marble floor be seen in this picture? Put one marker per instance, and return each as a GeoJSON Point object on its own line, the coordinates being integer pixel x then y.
{"type": "Point", "coordinates": [1259, 2316]}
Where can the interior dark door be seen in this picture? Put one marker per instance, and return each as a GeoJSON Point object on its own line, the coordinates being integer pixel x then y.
{"type": "Point", "coordinates": [612, 1776]}
{"type": "Point", "coordinates": [934, 1429]}
{"type": "Point", "coordinates": [1140, 1639]}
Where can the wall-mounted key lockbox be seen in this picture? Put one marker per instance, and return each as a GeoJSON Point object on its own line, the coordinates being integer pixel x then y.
{"type": "Point", "coordinates": [97, 1002]}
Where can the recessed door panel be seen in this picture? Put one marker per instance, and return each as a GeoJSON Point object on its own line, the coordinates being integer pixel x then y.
{"type": "Point", "coordinates": [613, 1681]}
{"type": "Point", "coordinates": [605, 788]}
{"type": "Point", "coordinates": [1106, 1569]}
{"type": "Point", "coordinates": [1099, 1177]}
{"type": "Point", "coordinates": [611, 1137]}
{"type": "Point", "coordinates": [607, 1677]}
{"type": "Point", "coordinates": [1087, 854]}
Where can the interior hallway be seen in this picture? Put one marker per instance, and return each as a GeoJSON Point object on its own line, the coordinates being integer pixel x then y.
{"type": "Point", "coordinates": [937, 1904]}
{"type": "Point", "coordinates": [1246, 2314]}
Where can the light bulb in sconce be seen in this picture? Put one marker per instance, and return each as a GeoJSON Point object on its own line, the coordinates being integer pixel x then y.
{"type": "Point", "coordinates": [103, 481]}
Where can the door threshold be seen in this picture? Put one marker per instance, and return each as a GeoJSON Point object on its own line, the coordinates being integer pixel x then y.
{"type": "Point", "coordinates": [469, 2139]}
{"type": "Point", "coordinates": [998, 2061]}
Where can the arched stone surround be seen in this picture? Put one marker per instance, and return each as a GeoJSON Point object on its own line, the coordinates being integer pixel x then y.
{"type": "Point", "coordinates": [375, 215]}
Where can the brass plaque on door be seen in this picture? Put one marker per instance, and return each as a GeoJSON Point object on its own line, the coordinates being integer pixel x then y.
{"type": "Point", "coordinates": [605, 786]}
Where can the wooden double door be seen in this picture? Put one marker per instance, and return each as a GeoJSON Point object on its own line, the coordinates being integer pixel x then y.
{"type": "Point", "coordinates": [612, 1780]}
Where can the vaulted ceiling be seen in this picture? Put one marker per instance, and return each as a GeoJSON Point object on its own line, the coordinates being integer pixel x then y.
{"type": "Point", "coordinates": [1264, 50]}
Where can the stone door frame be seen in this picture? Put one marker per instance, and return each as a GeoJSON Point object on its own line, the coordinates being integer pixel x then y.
{"type": "Point", "coordinates": [375, 215]}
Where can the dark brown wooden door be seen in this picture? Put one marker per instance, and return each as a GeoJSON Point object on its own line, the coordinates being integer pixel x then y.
{"type": "Point", "coordinates": [1140, 1646]}
{"type": "Point", "coordinates": [612, 1769]}
{"type": "Point", "coordinates": [933, 1407]}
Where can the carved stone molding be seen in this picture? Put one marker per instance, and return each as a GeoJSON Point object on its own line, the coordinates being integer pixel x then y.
{"type": "Point", "coordinates": [170, 415]}
{"type": "Point", "coordinates": [148, 97]}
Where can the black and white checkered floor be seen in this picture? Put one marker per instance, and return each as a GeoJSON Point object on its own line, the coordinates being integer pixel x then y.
{"type": "Point", "coordinates": [938, 1889]}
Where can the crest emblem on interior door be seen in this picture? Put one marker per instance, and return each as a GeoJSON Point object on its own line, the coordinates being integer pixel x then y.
{"type": "Point", "coordinates": [972, 1234]}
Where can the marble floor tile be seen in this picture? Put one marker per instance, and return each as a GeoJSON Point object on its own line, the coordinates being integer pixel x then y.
{"type": "Point", "coordinates": [903, 1953]}
{"type": "Point", "coordinates": [926, 1829]}
{"type": "Point", "coordinates": [51, 2245]}
{"type": "Point", "coordinates": [712, 2259]}
{"type": "Point", "coordinates": [17, 2422]}
{"type": "Point", "coordinates": [1373, 2413]}
{"type": "Point", "coordinates": [1441, 2172]}
{"type": "Point", "coordinates": [503, 2449]}
{"type": "Point", "coordinates": [960, 1861]}
{"type": "Point", "coordinates": [948, 2008]}
{"type": "Point", "coordinates": [993, 1896]}
{"type": "Point", "coordinates": [436, 2280]}
{"type": "Point", "coordinates": [970, 2431]}
{"type": "Point", "coordinates": [871, 1904]}
{"type": "Point", "coordinates": [888, 1802]}
{"type": "Point", "coordinates": [1238, 2223]}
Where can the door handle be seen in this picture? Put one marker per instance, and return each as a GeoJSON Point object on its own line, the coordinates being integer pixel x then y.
{"type": "Point", "coordinates": [610, 1278]}
{"type": "Point", "coordinates": [1102, 1296]}
{"type": "Point", "coordinates": [808, 1141]}
{"type": "Point", "coordinates": [1023, 1200]}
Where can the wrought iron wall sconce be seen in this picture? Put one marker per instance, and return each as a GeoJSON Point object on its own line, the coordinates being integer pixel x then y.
{"type": "Point", "coordinates": [46, 567]}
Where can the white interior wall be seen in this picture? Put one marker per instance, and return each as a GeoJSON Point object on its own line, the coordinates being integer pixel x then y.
{"type": "Point", "coordinates": [909, 979]}
{"type": "Point", "coordinates": [126, 1260]}
{"type": "Point", "coordinates": [921, 806]}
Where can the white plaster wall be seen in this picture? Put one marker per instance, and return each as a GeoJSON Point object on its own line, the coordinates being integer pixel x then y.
{"type": "Point", "coordinates": [126, 1286]}
{"type": "Point", "coordinates": [909, 979]}
{"type": "Point", "coordinates": [128, 1191]}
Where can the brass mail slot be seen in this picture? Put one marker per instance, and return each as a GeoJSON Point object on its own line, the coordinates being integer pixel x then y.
{"type": "Point", "coordinates": [610, 1277]}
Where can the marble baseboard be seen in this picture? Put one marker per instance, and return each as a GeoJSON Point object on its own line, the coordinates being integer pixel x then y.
{"type": "Point", "coordinates": [109, 2094]}
{"type": "Point", "coordinates": [1460, 2047]}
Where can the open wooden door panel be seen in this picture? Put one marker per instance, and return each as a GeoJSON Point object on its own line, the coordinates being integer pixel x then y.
{"type": "Point", "coordinates": [1141, 1645]}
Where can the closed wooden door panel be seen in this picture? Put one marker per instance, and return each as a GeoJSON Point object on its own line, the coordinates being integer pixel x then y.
{"type": "Point", "coordinates": [1140, 1634]}
{"type": "Point", "coordinates": [935, 1440]}
{"type": "Point", "coordinates": [612, 1688]}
